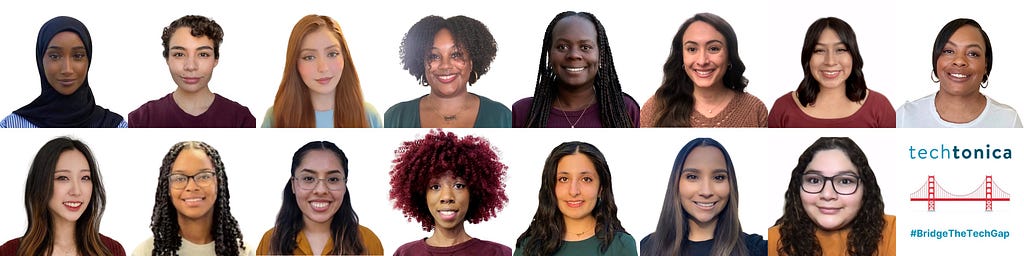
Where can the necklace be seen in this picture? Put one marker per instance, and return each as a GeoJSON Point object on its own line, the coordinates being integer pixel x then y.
{"type": "Point", "coordinates": [717, 106]}
{"type": "Point", "coordinates": [571, 123]}
{"type": "Point", "coordinates": [451, 117]}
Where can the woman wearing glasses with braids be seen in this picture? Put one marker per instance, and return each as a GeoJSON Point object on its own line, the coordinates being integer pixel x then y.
{"type": "Point", "coordinates": [191, 215]}
{"type": "Point", "coordinates": [834, 197]}
{"type": "Point", "coordinates": [316, 216]}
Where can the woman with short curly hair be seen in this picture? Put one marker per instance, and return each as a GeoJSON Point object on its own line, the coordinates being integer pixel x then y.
{"type": "Point", "coordinates": [442, 181]}
{"type": "Point", "coordinates": [448, 55]}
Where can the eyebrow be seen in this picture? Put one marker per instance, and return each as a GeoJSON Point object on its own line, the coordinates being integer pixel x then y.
{"type": "Point", "coordinates": [61, 48]}
{"type": "Point", "coordinates": [582, 172]}
{"type": "Point", "coordinates": [198, 171]}
{"type": "Point", "coordinates": [325, 48]}
{"type": "Point", "coordinates": [812, 171]}
{"type": "Point", "coordinates": [708, 42]}
{"type": "Point", "coordinates": [314, 172]}
{"type": "Point", "coordinates": [968, 45]}
{"type": "Point", "coordinates": [712, 171]}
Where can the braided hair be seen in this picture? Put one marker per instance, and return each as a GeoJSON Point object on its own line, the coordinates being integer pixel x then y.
{"type": "Point", "coordinates": [606, 82]}
{"type": "Point", "coordinates": [166, 233]}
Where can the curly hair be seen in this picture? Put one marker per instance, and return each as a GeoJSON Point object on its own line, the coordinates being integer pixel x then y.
{"type": "Point", "coordinates": [796, 227]}
{"type": "Point", "coordinates": [438, 153]}
{"type": "Point", "coordinates": [344, 222]}
{"type": "Point", "coordinates": [201, 26]}
{"type": "Point", "coordinates": [166, 237]}
{"type": "Point", "coordinates": [676, 92]}
{"type": "Point", "coordinates": [544, 236]}
{"type": "Point", "coordinates": [470, 35]}
{"type": "Point", "coordinates": [947, 31]}
{"type": "Point", "coordinates": [856, 87]}
{"type": "Point", "coordinates": [670, 236]}
{"type": "Point", "coordinates": [38, 238]}
{"type": "Point", "coordinates": [606, 83]}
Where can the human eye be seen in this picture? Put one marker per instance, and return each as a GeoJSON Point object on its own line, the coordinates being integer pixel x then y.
{"type": "Point", "coordinates": [586, 47]}
{"type": "Point", "coordinates": [563, 179]}
{"type": "Point", "coordinates": [721, 177]}
{"type": "Point", "coordinates": [812, 179]}
{"type": "Point", "coordinates": [307, 179]}
{"type": "Point", "coordinates": [690, 49]}
{"type": "Point", "coordinates": [206, 176]}
{"type": "Point", "coordinates": [177, 178]}
{"type": "Point", "coordinates": [333, 54]}
{"type": "Point", "coordinates": [87, 178]}
{"type": "Point", "coordinates": [435, 187]}
{"type": "Point", "coordinates": [691, 177]}
{"type": "Point", "coordinates": [974, 54]}
{"type": "Point", "coordinates": [79, 56]}
{"type": "Point", "coordinates": [947, 51]}
{"type": "Point", "coordinates": [205, 54]}
{"type": "Point", "coordinates": [562, 47]}
{"type": "Point", "coordinates": [715, 48]}
{"type": "Point", "coordinates": [62, 178]}
{"type": "Point", "coordinates": [847, 180]}
{"type": "Point", "coordinates": [457, 55]}
{"type": "Point", "coordinates": [53, 56]}
{"type": "Point", "coordinates": [177, 54]}
{"type": "Point", "coordinates": [588, 179]}
{"type": "Point", "coordinates": [843, 50]}
{"type": "Point", "coordinates": [459, 186]}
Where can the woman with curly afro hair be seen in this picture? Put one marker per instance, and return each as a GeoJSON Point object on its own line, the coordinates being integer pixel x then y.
{"type": "Point", "coordinates": [448, 55]}
{"type": "Point", "coordinates": [442, 181]}
{"type": "Point", "coordinates": [192, 214]}
{"type": "Point", "coordinates": [576, 211]}
{"type": "Point", "coordinates": [316, 216]}
{"type": "Point", "coordinates": [846, 218]}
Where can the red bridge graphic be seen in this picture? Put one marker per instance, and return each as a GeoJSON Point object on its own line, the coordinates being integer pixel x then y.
{"type": "Point", "coordinates": [987, 192]}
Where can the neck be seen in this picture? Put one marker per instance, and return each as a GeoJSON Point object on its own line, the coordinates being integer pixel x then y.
{"type": "Point", "coordinates": [193, 102]}
{"type": "Point", "coordinates": [64, 237]}
{"type": "Point", "coordinates": [311, 227]}
{"type": "Point", "coordinates": [446, 237]}
{"type": "Point", "coordinates": [837, 94]}
{"type": "Point", "coordinates": [451, 104]}
{"type": "Point", "coordinates": [702, 231]}
{"type": "Point", "coordinates": [974, 98]}
{"type": "Point", "coordinates": [197, 231]}
{"type": "Point", "coordinates": [711, 94]}
{"type": "Point", "coordinates": [578, 229]}
{"type": "Point", "coordinates": [322, 102]}
{"type": "Point", "coordinates": [575, 98]}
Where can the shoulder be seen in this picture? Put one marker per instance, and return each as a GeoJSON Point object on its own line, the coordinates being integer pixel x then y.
{"type": "Point", "coordinates": [523, 104]}
{"type": "Point", "coordinates": [113, 245]}
{"type": "Point", "coordinates": [10, 247]}
{"type": "Point", "coordinates": [493, 106]}
{"type": "Point", "coordinates": [1000, 107]}
{"type": "Point", "coordinates": [491, 248]}
{"type": "Point", "coordinates": [877, 97]}
{"type": "Point", "coordinates": [16, 121]}
{"type": "Point", "coordinates": [749, 99]}
{"type": "Point", "coordinates": [144, 248]}
{"type": "Point", "coordinates": [404, 106]}
{"type": "Point", "coordinates": [784, 100]}
{"type": "Point", "coordinates": [225, 102]}
{"type": "Point", "coordinates": [756, 244]}
{"type": "Point", "coordinates": [625, 238]}
{"type": "Point", "coordinates": [919, 104]}
{"type": "Point", "coordinates": [414, 246]}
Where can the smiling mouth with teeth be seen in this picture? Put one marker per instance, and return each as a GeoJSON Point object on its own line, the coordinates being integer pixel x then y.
{"type": "Point", "coordinates": [958, 75]}
{"type": "Point", "coordinates": [572, 69]}
{"type": "Point", "coordinates": [73, 204]}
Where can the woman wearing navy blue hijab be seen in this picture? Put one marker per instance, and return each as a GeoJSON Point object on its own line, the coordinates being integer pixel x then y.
{"type": "Point", "coordinates": [63, 56]}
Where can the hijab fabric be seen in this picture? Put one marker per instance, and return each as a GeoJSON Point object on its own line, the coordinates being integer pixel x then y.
{"type": "Point", "coordinates": [52, 109]}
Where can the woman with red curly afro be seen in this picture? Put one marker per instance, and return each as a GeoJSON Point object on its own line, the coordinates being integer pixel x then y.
{"type": "Point", "coordinates": [442, 181]}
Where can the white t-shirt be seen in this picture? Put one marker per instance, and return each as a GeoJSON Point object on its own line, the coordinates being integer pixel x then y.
{"type": "Point", "coordinates": [921, 113]}
{"type": "Point", "coordinates": [189, 248]}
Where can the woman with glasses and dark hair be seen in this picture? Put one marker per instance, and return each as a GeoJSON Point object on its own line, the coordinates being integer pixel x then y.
{"type": "Point", "coordinates": [64, 201]}
{"type": "Point", "coordinates": [442, 181]}
{"type": "Point", "coordinates": [191, 214]}
{"type": "Point", "coordinates": [316, 216]}
{"type": "Point", "coordinates": [833, 196]}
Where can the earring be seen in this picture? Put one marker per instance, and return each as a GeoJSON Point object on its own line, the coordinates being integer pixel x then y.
{"type": "Point", "coordinates": [476, 77]}
{"type": "Point", "coordinates": [934, 77]}
{"type": "Point", "coordinates": [984, 84]}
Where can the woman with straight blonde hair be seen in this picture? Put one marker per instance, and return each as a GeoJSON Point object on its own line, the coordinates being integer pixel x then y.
{"type": "Point", "coordinates": [320, 86]}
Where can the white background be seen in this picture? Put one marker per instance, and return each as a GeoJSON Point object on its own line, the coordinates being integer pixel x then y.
{"type": "Point", "coordinates": [128, 70]}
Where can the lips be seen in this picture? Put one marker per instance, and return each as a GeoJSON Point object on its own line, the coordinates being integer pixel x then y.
{"type": "Point", "coordinates": [447, 215]}
{"type": "Point", "coordinates": [325, 80]}
{"type": "Point", "coordinates": [190, 80]}
{"type": "Point", "coordinates": [829, 210]}
{"type": "Point", "coordinates": [574, 204]}
{"type": "Point", "coordinates": [575, 69]}
{"type": "Point", "coordinates": [830, 74]}
{"type": "Point", "coordinates": [319, 205]}
{"type": "Point", "coordinates": [66, 82]}
{"type": "Point", "coordinates": [705, 205]}
{"type": "Point", "coordinates": [703, 73]}
{"type": "Point", "coordinates": [73, 205]}
{"type": "Point", "coordinates": [959, 77]}
{"type": "Point", "coordinates": [193, 201]}
{"type": "Point", "coordinates": [446, 78]}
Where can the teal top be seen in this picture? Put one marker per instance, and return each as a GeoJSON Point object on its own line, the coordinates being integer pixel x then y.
{"type": "Point", "coordinates": [491, 114]}
{"type": "Point", "coordinates": [325, 119]}
{"type": "Point", "coordinates": [623, 244]}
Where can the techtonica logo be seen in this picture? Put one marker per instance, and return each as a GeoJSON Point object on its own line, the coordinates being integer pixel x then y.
{"type": "Point", "coordinates": [988, 192]}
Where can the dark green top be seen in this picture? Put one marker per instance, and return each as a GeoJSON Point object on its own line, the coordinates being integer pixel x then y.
{"type": "Point", "coordinates": [491, 114]}
{"type": "Point", "coordinates": [623, 245]}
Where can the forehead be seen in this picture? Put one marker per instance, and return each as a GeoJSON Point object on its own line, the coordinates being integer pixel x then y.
{"type": "Point", "coordinates": [831, 162]}
{"type": "Point", "coordinates": [705, 156]}
{"type": "Point", "coordinates": [829, 36]}
{"type": "Point", "coordinates": [66, 39]}
{"type": "Point", "coordinates": [700, 31]}
{"type": "Point", "coordinates": [574, 28]}
{"type": "Point", "coordinates": [575, 163]}
{"type": "Point", "coordinates": [319, 39]}
{"type": "Point", "coordinates": [184, 35]}
{"type": "Point", "coordinates": [967, 35]}
{"type": "Point", "coordinates": [192, 160]}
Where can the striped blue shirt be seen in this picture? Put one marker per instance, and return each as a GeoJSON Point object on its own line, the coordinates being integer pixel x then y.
{"type": "Point", "coordinates": [16, 121]}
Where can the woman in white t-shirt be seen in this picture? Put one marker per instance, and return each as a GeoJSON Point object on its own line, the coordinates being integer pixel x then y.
{"type": "Point", "coordinates": [961, 63]}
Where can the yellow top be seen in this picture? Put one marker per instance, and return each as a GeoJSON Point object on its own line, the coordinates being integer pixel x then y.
{"type": "Point", "coordinates": [370, 242]}
{"type": "Point", "coordinates": [834, 243]}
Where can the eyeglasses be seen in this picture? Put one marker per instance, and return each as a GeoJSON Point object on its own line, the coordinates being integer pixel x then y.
{"type": "Point", "coordinates": [203, 179]}
{"type": "Point", "coordinates": [333, 182]}
{"type": "Point", "coordinates": [843, 184]}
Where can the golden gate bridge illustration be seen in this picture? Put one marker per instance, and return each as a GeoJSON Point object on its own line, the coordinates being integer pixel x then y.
{"type": "Point", "coordinates": [932, 192]}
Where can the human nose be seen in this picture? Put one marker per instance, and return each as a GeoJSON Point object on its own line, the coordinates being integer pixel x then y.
{"type": "Point", "coordinates": [65, 67]}
{"type": "Point", "coordinates": [960, 60]}
{"type": "Point", "coordinates": [830, 58]}
{"type": "Point", "coordinates": [190, 63]}
{"type": "Point", "coordinates": [320, 187]}
{"type": "Point", "coordinates": [574, 188]}
{"type": "Point", "coordinates": [76, 189]}
{"type": "Point", "coordinates": [704, 189]}
{"type": "Point", "coordinates": [321, 65]}
{"type": "Point", "coordinates": [828, 191]}
{"type": "Point", "coordinates": [447, 195]}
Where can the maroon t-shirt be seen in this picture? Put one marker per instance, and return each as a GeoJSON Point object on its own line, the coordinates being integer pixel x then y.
{"type": "Point", "coordinates": [164, 113]}
{"type": "Point", "coordinates": [472, 247]}
{"type": "Point", "coordinates": [586, 118]}
{"type": "Point", "coordinates": [876, 112]}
